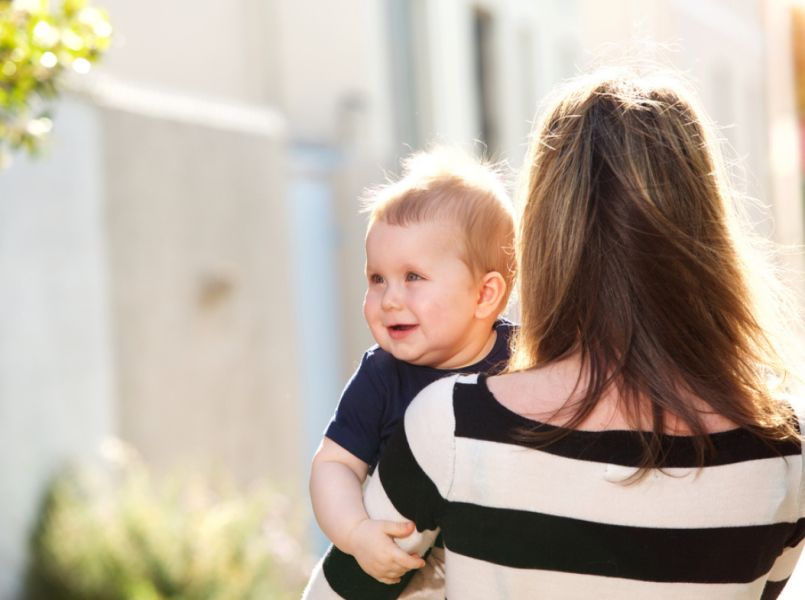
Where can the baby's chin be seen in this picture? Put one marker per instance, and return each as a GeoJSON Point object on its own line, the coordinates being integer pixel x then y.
{"type": "Point", "coordinates": [418, 360]}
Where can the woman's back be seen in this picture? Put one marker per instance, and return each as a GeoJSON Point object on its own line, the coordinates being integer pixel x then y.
{"type": "Point", "coordinates": [565, 522]}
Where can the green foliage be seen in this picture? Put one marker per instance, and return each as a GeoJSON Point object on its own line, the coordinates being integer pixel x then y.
{"type": "Point", "coordinates": [38, 47]}
{"type": "Point", "coordinates": [125, 535]}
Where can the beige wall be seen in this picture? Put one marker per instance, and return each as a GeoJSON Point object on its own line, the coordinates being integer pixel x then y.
{"type": "Point", "coordinates": [209, 49]}
{"type": "Point", "coordinates": [196, 173]}
{"type": "Point", "coordinates": [332, 58]}
{"type": "Point", "coordinates": [203, 307]}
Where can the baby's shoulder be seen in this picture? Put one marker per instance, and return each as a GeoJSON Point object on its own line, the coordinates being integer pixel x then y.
{"type": "Point", "coordinates": [378, 359]}
{"type": "Point", "coordinates": [505, 322]}
{"type": "Point", "coordinates": [505, 327]}
{"type": "Point", "coordinates": [380, 366]}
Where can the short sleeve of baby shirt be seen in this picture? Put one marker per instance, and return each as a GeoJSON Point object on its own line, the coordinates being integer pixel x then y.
{"type": "Point", "coordinates": [361, 411]}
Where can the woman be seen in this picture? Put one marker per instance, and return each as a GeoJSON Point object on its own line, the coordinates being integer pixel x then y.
{"type": "Point", "coordinates": [637, 447]}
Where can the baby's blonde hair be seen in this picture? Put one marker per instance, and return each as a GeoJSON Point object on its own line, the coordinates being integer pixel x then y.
{"type": "Point", "coordinates": [448, 185]}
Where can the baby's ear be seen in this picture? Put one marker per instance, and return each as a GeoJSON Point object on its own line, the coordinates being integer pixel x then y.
{"type": "Point", "coordinates": [490, 295]}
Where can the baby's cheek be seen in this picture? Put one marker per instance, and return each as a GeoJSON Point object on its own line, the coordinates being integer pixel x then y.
{"type": "Point", "coordinates": [449, 303]}
{"type": "Point", "coordinates": [369, 305]}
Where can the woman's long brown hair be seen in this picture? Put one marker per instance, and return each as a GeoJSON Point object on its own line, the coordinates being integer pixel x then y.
{"type": "Point", "coordinates": [629, 257]}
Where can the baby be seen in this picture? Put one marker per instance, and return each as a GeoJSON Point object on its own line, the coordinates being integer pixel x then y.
{"type": "Point", "coordinates": [439, 270]}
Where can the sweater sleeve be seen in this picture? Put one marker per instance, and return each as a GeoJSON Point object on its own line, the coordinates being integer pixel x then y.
{"type": "Point", "coordinates": [412, 482]}
{"type": "Point", "coordinates": [787, 561]}
{"type": "Point", "coordinates": [415, 473]}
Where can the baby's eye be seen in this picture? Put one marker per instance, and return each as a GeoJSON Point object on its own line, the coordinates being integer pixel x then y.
{"type": "Point", "coordinates": [375, 278]}
{"type": "Point", "coordinates": [413, 277]}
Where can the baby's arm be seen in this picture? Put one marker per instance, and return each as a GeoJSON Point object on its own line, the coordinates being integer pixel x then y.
{"type": "Point", "coordinates": [336, 480]}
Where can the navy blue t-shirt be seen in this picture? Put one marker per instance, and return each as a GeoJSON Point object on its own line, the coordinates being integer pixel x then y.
{"type": "Point", "coordinates": [375, 398]}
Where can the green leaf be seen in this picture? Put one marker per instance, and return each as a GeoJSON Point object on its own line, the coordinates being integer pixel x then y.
{"type": "Point", "coordinates": [37, 44]}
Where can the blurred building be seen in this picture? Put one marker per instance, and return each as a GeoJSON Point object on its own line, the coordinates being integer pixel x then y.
{"type": "Point", "coordinates": [184, 270]}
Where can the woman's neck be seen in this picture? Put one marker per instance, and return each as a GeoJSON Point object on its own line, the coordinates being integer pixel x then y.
{"type": "Point", "coordinates": [553, 394]}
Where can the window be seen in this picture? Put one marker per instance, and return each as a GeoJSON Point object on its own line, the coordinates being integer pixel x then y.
{"type": "Point", "coordinates": [409, 75]}
{"type": "Point", "coordinates": [527, 75]}
{"type": "Point", "coordinates": [485, 84]}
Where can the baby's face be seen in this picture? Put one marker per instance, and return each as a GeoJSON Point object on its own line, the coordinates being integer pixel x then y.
{"type": "Point", "coordinates": [421, 297]}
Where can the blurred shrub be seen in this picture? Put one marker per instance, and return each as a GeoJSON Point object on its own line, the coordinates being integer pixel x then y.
{"type": "Point", "coordinates": [123, 534]}
{"type": "Point", "coordinates": [38, 45]}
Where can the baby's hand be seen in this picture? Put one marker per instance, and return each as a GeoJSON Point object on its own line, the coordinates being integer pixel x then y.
{"type": "Point", "coordinates": [373, 547]}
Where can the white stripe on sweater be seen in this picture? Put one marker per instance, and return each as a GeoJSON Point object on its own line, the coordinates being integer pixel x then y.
{"type": "Point", "coordinates": [500, 475]}
{"type": "Point", "coordinates": [471, 579]}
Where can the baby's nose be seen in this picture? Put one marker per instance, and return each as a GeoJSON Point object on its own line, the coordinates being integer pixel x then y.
{"type": "Point", "coordinates": [391, 298]}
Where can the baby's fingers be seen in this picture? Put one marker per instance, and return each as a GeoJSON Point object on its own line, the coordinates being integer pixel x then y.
{"type": "Point", "coordinates": [408, 561]}
{"type": "Point", "coordinates": [390, 573]}
{"type": "Point", "coordinates": [398, 529]}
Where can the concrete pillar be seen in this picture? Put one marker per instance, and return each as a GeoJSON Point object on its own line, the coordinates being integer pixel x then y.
{"type": "Point", "coordinates": [57, 398]}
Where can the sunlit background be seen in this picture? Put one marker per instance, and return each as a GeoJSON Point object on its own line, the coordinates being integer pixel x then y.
{"type": "Point", "coordinates": [182, 268]}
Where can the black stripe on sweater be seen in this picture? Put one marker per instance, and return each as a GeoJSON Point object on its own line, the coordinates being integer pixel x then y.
{"type": "Point", "coordinates": [480, 416]}
{"type": "Point", "coordinates": [772, 589]}
{"type": "Point", "coordinates": [414, 495]}
{"type": "Point", "coordinates": [408, 487]}
{"type": "Point", "coordinates": [348, 580]}
{"type": "Point", "coordinates": [527, 540]}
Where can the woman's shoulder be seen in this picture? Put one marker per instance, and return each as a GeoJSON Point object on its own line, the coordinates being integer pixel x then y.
{"type": "Point", "coordinates": [538, 394]}
{"type": "Point", "coordinates": [430, 428]}
{"type": "Point", "coordinates": [434, 403]}
{"type": "Point", "coordinates": [436, 410]}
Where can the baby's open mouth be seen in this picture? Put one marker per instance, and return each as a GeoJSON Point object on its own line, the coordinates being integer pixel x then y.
{"type": "Point", "coordinates": [400, 331]}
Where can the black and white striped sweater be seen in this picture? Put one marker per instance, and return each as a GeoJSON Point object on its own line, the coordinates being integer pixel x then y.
{"type": "Point", "coordinates": [559, 522]}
